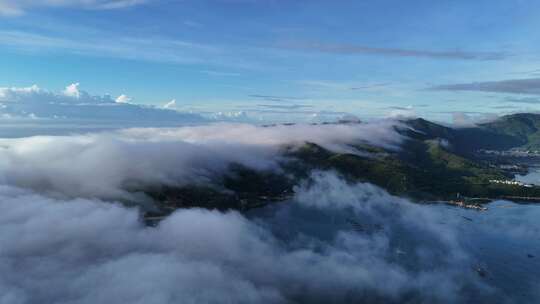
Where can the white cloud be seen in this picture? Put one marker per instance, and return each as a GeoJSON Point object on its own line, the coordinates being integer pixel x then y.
{"type": "Point", "coordinates": [64, 240]}
{"type": "Point", "coordinates": [402, 112]}
{"type": "Point", "coordinates": [14, 93]}
{"type": "Point", "coordinates": [72, 90]}
{"type": "Point", "coordinates": [113, 164]}
{"type": "Point", "coordinates": [74, 103]}
{"type": "Point", "coordinates": [233, 116]}
{"type": "Point", "coordinates": [305, 251]}
{"type": "Point", "coordinates": [123, 99]}
{"type": "Point", "coordinates": [18, 7]}
{"type": "Point", "coordinates": [170, 105]}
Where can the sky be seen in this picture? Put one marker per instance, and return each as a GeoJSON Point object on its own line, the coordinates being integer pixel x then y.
{"type": "Point", "coordinates": [449, 60]}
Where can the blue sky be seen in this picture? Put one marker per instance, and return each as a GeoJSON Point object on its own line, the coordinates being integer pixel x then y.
{"type": "Point", "coordinates": [369, 58]}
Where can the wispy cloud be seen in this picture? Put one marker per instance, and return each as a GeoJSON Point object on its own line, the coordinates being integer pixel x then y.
{"type": "Point", "coordinates": [345, 85]}
{"type": "Point", "coordinates": [275, 98]}
{"type": "Point", "coordinates": [352, 49]}
{"type": "Point", "coordinates": [534, 72]}
{"type": "Point", "coordinates": [505, 107]}
{"type": "Point", "coordinates": [370, 86]}
{"type": "Point", "coordinates": [193, 24]}
{"type": "Point", "coordinates": [220, 73]}
{"type": "Point", "coordinates": [516, 86]}
{"type": "Point", "coordinates": [285, 107]}
{"type": "Point", "coordinates": [18, 7]}
{"type": "Point", "coordinates": [528, 100]}
{"type": "Point", "coordinates": [100, 44]}
{"type": "Point", "coordinates": [400, 108]}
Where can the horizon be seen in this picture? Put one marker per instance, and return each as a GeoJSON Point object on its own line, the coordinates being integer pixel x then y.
{"type": "Point", "coordinates": [267, 61]}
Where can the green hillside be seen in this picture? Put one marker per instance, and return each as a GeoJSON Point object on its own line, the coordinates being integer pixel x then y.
{"type": "Point", "coordinates": [421, 170]}
{"type": "Point", "coordinates": [493, 136]}
{"type": "Point", "coordinates": [524, 127]}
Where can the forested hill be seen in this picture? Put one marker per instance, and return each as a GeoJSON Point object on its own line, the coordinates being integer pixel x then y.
{"type": "Point", "coordinates": [510, 131]}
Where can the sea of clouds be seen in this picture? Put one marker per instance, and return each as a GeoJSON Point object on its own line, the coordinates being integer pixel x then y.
{"type": "Point", "coordinates": [305, 250]}
{"type": "Point", "coordinates": [66, 238]}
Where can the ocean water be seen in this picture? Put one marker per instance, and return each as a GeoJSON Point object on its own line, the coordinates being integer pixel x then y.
{"type": "Point", "coordinates": [502, 244]}
{"type": "Point", "coordinates": [533, 177]}
{"type": "Point", "coordinates": [505, 242]}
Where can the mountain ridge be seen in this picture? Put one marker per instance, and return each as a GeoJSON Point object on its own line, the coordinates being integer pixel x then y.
{"type": "Point", "coordinates": [434, 163]}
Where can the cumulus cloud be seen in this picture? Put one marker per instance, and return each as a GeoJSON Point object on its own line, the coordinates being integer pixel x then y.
{"type": "Point", "coordinates": [111, 164]}
{"type": "Point", "coordinates": [74, 103]}
{"type": "Point", "coordinates": [234, 116]}
{"type": "Point", "coordinates": [72, 90]}
{"type": "Point", "coordinates": [88, 251]}
{"type": "Point", "coordinates": [18, 7]}
{"type": "Point", "coordinates": [123, 99]}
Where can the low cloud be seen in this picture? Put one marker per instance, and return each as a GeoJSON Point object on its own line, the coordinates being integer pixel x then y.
{"type": "Point", "coordinates": [89, 251]}
{"type": "Point", "coordinates": [111, 165]}
{"type": "Point", "coordinates": [73, 103]}
{"type": "Point", "coordinates": [461, 119]}
{"type": "Point", "coordinates": [65, 239]}
{"type": "Point", "coordinates": [516, 86]}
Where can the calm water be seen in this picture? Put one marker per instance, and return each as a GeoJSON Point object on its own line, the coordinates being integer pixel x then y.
{"type": "Point", "coordinates": [505, 241]}
{"type": "Point", "coordinates": [533, 177]}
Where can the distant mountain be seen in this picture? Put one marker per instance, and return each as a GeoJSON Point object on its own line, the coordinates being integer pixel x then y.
{"type": "Point", "coordinates": [510, 131]}
{"type": "Point", "coordinates": [524, 128]}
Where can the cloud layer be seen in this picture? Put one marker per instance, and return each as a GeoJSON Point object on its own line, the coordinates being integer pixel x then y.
{"type": "Point", "coordinates": [64, 238]}
{"type": "Point", "coordinates": [82, 251]}
{"type": "Point", "coordinates": [110, 164]}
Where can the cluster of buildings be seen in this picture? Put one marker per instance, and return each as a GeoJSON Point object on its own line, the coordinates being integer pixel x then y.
{"type": "Point", "coordinates": [512, 152]}
{"type": "Point", "coordinates": [509, 182]}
